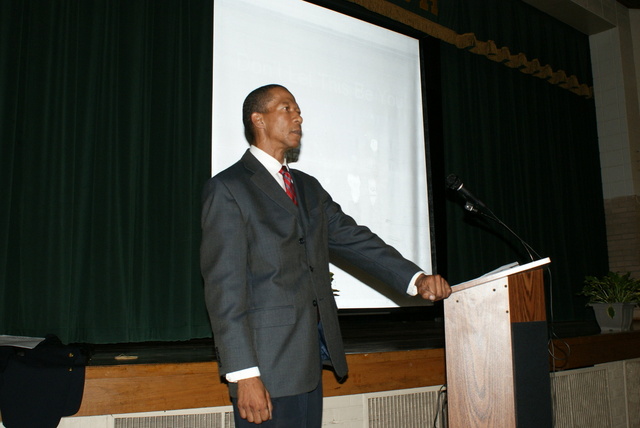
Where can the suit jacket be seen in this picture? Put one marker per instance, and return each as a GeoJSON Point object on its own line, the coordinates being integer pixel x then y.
{"type": "Point", "coordinates": [265, 263]}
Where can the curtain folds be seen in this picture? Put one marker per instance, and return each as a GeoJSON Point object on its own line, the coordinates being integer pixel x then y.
{"type": "Point", "coordinates": [105, 110]}
{"type": "Point", "coordinates": [530, 152]}
{"type": "Point", "coordinates": [528, 149]}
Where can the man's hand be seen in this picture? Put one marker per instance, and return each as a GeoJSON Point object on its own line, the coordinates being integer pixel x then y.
{"type": "Point", "coordinates": [254, 401]}
{"type": "Point", "coordinates": [433, 287]}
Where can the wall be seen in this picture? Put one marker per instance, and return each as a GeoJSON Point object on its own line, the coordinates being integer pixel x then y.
{"type": "Point", "coordinates": [615, 55]}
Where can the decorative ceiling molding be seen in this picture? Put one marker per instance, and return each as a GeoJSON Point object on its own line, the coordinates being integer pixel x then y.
{"type": "Point", "coordinates": [489, 49]}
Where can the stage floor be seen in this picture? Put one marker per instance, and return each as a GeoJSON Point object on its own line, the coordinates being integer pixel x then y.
{"type": "Point", "coordinates": [380, 331]}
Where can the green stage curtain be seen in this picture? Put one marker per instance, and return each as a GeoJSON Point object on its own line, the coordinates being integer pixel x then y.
{"type": "Point", "coordinates": [105, 110]}
{"type": "Point", "coordinates": [526, 147]}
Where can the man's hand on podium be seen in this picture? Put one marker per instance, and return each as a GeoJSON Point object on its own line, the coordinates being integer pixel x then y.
{"type": "Point", "coordinates": [433, 287]}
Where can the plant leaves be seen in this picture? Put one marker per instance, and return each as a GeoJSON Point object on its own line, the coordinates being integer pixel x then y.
{"type": "Point", "coordinates": [611, 312]}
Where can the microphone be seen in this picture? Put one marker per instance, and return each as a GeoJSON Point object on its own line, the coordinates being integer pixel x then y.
{"type": "Point", "coordinates": [454, 183]}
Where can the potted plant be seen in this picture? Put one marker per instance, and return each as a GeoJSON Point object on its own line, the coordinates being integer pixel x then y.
{"type": "Point", "coordinates": [613, 298]}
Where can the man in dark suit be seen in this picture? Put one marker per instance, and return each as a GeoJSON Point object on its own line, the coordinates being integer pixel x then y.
{"type": "Point", "coordinates": [267, 236]}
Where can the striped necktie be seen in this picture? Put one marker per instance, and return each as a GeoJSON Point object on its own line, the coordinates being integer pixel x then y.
{"type": "Point", "coordinates": [288, 184]}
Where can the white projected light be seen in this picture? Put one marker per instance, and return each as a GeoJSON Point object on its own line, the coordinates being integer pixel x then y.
{"type": "Point", "coordinates": [358, 86]}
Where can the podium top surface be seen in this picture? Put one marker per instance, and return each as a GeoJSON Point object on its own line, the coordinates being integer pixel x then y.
{"type": "Point", "coordinates": [500, 273]}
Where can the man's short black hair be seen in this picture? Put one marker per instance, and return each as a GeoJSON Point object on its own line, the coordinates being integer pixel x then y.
{"type": "Point", "coordinates": [256, 102]}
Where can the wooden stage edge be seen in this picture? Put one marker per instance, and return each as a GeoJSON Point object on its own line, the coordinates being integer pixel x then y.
{"type": "Point", "coordinates": [139, 388]}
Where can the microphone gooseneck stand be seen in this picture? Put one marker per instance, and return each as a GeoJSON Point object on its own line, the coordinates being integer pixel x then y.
{"type": "Point", "coordinates": [476, 206]}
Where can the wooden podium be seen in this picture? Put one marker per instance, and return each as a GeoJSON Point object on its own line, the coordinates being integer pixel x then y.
{"type": "Point", "coordinates": [496, 350]}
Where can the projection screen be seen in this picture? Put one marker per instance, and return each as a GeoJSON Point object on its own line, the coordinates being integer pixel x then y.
{"type": "Point", "coordinates": [358, 86]}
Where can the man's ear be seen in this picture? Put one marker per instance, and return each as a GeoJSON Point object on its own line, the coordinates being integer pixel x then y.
{"type": "Point", "coordinates": [257, 120]}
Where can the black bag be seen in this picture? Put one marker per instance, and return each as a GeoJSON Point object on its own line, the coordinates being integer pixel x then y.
{"type": "Point", "coordinates": [41, 385]}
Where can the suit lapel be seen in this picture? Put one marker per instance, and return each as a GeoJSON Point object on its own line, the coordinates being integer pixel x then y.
{"type": "Point", "coordinates": [265, 182]}
{"type": "Point", "coordinates": [303, 209]}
